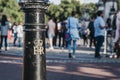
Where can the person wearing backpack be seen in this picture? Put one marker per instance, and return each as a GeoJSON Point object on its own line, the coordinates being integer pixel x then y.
{"type": "Point", "coordinates": [20, 33]}
{"type": "Point", "coordinates": [73, 29]}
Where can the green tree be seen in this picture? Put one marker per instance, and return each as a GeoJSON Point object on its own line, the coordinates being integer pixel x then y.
{"type": "Point", "coordinates": [62, 11]}
{"type": "Point", "coordinates": [54, 11]}
{"type": "Point", "coordinates": [118, 3]}
{"type": "Point", "coordinates": [89, 8]}
{"type": "Point", "coordinates": [70, 5]}
{"type": "Point", "coordinates": [11, 9]}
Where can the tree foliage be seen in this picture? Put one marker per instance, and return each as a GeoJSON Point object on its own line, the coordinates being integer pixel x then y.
{"type": "Point", "coordinates": [11, 9]}
{"type": "Point", "coordinates": [62, 11]}
{"type": "Point", "coordinates": [89, 8]}
{"type": "Point", "coordinates": [58, 12]}
{"type": "Point", "coordinates": [118, 1]}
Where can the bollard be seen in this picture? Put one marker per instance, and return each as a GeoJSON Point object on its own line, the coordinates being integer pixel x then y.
{"type": "Point", "coordinates": [34, 66]}
{"type": "Point", "coordinates": [105, 42]}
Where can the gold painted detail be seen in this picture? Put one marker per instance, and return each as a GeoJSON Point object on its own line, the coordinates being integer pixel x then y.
{"type": "Point", "coordinates": [38, 48]}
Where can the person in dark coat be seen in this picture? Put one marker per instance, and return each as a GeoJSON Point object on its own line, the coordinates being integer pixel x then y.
{"type": "Point", "coordinates": [91, 29]}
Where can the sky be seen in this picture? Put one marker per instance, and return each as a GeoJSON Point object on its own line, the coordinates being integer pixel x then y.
{"type": "Point", "coordinates": [55, 1]}
{"type": "Point", "coordinates": [84, 1]}
{"type": "Point", "coordinates": [88, 1]}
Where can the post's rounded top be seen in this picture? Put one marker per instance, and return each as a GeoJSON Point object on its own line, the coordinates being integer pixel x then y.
{"type": "Point", "coordinates": [38, 5]}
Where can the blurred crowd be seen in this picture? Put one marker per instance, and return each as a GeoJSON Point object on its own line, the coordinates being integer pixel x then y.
{"type": "Point", "coordinates": [93, 33]}
{"type": "Point", "coordinates": [89, 32]}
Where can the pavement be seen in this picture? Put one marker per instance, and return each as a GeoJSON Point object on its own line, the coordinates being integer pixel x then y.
{"type": "Point", "coordinates": [60, 67]}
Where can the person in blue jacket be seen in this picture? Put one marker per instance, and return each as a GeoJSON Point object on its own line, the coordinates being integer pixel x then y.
{"type": "Point", "coordinates": [73, 29]}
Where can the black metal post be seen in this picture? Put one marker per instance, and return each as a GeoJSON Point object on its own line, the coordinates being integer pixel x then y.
{"type": "Point", "coordinates": [34, 67]}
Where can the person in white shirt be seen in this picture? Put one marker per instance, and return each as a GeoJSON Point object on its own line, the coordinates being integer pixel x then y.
{"type": "Point", "coordinates": [19, 34]}
{"type": "Point", "coordinates": [51, 32]}
{"type": "Point", "coordinates": [4, 27]}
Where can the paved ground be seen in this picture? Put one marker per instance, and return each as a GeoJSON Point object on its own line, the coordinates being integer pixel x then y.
{"type": "Point", "coordinates": [60, 67]}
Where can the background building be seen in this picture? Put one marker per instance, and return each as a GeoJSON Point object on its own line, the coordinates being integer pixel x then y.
{"type": "Point", "coordinates": [108, 6]}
